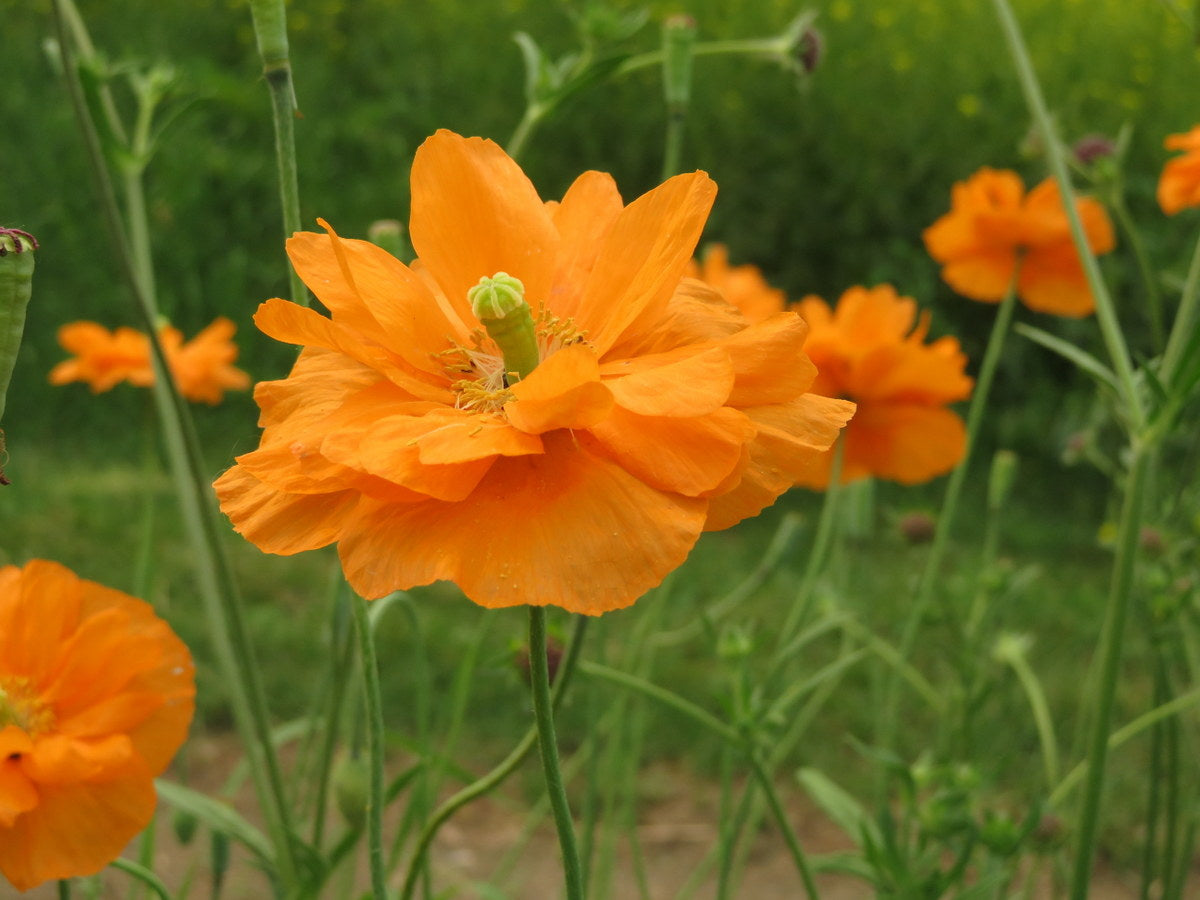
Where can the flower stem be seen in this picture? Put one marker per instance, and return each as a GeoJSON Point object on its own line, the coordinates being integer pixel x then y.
{"type": "Point", "coordinates": [543, 710]}
{"type": "Point", "coordinates": [1112, 640]}
{"type": "Point", "coordinates": [1185, 320]}
{"type": "Point", "coordinates": [1106, 316]}
{"type": "Point", "coordinates": [370, 672]}
{"type": "Point", "coordinates": [270, 29]}
{"type": "Point", "coordinates": [497, 775]}
{"type": "Point", "coordinates": [215, 579]}
{"type": "Point", "coordinates": [937, 551]}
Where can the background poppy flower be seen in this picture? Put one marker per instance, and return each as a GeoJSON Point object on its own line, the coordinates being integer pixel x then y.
{"type": "Point", "coordinates": [654, 412]}
{"type": "Point", "coordinates": [96, 695]}
{"type": "Point", "coordinates": [869, 351]}
{"type": "Point", "coordinates": [202, 367]}
{"type": "Point", "coordinates": [743, 286]}
{"type": "Point", "coordinates": [994, 230]}
{"type": "Point", "coordinates": [1179, 185]}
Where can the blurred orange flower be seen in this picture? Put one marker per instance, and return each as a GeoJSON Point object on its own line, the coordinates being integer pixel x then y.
{"type": "Point", "coordinates": [743, 286]}
{"type": "Point", "coordinates": [96, 695]}
{"type": "Point", "coordinates": [869, 351]}
{"type": "Point", "coordinates": [202, 367]}
{"type": "Point", "coordinates": [994, 230]}
{"type": "Point", "coordinates": [653, 411]}
{"type": "Point", "coordinates": [1179, 186]}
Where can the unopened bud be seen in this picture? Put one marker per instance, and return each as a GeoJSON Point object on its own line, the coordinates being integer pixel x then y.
{"type": "Point", "coordinates": [810, 50]}
{"type": "Point", "coordinates": [1092, 147]}
{"type": "Point", "coordinates": [917, 527]}
{"type": "Point", "coordinates": [350, 789]}
{"type": "Point", "coordinates": [389, 234]}
{"type": "Point", "coordinates": [1000, 480]}
{"type": "Point", "coordinates": [554, 655]}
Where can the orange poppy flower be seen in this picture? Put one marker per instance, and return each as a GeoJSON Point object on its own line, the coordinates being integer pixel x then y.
{"type": "Point", "coordinates": [867, 349]}
{"type": "Point", "coordinates": [994, 230]}
{"type": "Point", "coordinates": [743, 286]}
{"type": "Point", "coordinates": [202, 367]}
{"type": "Point", "coordinates": [96, 695]}
{"type": "Point", "coordinates": [644, 409]}
{"type": "Point", "coordinates": [1179, 186]}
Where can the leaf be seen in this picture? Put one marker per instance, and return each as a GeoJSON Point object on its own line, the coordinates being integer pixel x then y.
{"type": "Point", "coordinates": [220, 817]}
{"type": "Point", "coordinates": [1069, 351]}
{"type": "Point", "coordinates": [840, 806]}
{"type": "Point", "coordinates": [843, 864]}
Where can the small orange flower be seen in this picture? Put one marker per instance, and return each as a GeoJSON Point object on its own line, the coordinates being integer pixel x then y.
{"type": "Point", "coordinates": [743, 286]}
{"type": "Point", "coordinates": [994, 230]}
{"type": "Point", "coordinates": [869, 351]}
{"type": "Point", "coordinates": [96, 695]}
{"type": "Point", "coordinates": [1179, 186]}
{"type": "Point", "coordinates": [202, 367]}
{"type": "Point", "coordinates": [644, 410]}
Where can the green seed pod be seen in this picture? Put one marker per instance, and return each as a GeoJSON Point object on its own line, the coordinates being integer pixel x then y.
{"type": "Point", "coordinates": [351, 788]}
{"type": "Point", "coordinates": [16, 287]}
{"type": "Point", "coordinates": [499, 302]}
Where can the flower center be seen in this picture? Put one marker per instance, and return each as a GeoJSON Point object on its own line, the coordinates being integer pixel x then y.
{"type": "Point", "coordinates": [21, 706]}
{"type": "Point", "coordinates": [510, 345]}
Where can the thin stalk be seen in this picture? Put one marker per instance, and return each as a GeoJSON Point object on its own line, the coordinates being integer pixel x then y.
{"type": "Point", "coordinates": [1106, 315]}
{"type": "Point", "coordinates": [142, 873]}
{"type": "Point", "coordinates": [1042, 719]}
{"type": "Point", "coordinates": [818, 555]}
{"type": "Point", "coordinates": [774, 48]}
{"type": "Point", "coordinates": [370, 673]}
{"type": "Point", "coordinates": [1185, 319]}
{"type": "Point", "coordinates": [532, 117]}
{"type": "Point", "coordinates": [1154, 782]}
{"type": "Point", "coordinates": [889, 711]}
{"type": "Point", "coordinates": [1154, 303]}
{"type": "Point", "coordinates": [270, 29]}
{"type": "Point", "coordinates": [340, 660]}
{"type": "Point", "coordinates": [218, 591]}
{"type": "Point", "coordinates": [730, 735]}
{"type": "Point", "coordinates": [1112, 642]}
{"type": "Point", "coordinates": [496, 776]}
{"type": "Point", "coordinates": [543, 711]}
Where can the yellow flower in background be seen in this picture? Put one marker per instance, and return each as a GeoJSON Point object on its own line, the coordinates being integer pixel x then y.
{"type": "Point", "coordinates": [96, 696]}
{"type": "Point", "coordinates": [202, 367]}
{"type": "Point", "coordinates": [871, 349]}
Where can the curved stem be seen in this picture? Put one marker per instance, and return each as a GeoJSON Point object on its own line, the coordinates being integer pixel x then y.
{"type": "Point", "coordinates": [214, 576]}
{"type": "Point", "coordinates": [543, 710]}
{"type": "Point", "coordinates": [941, 537]}
{"type": "Point", "coordinates": [370, 672]}
{"type": "Point", "coordinates": [142, 874]}
{"type": "Point", "coordinates": [496, 776]}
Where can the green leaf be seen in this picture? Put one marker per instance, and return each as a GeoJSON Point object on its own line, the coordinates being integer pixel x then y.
{"type": "Point", "coordinates": [840, 806]}
{"type": "Point", "coordinates": [1069, 351]}
{"type": "Point", "coordinates": [220, 817]}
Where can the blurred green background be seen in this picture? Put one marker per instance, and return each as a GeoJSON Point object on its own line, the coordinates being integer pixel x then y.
{"type": "Point", "coordinates": [824, 184]}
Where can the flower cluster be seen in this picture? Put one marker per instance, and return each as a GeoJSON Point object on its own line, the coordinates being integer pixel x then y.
{"type": "Point", "coordinates": [644, 408]}
{"type": "Point", "coordinates": [202, 367]}
{"type": "Point", "coordinates": [872, 349]}
{"type": "Point", "coordinates": [1179, 184]}
{"type": "Point", "coordinates": [995, 233]}
{"type": "Point", "coordinates": [96, 695]}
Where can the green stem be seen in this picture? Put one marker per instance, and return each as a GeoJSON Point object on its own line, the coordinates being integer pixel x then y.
{"type": "Point", "coordinates": [543, 710]}
{"type": "Point", "coordinates": [730, 735]}
{"type": "Point", "coordinates": [370, 673]}
{"type": "Point", "coordinates": [765, 48]}
{"type": "Point", "coordinates": [270, 28]}
{"type": "Point", "coordinates": [534, 113]}
{"type": "Point", "coordinates": [496, 776]}
{"type": "Point", "coordinates": [1106, 316]}
{"type": "Point", "coordinates": [1042, 719]}
{"type": "Point", "coordinates": [1185, 320]}
{"type": "Point", "coordinates": [215, 579]}
{"type": "Point", "coordinates": [941, 537]}
{"type": "Point", "coordinates": [1112, 642]}
{"type": "Point", "coordinates": [1154, 304]}
{"type": "Point", "coordinates": [818, 555]}
{"type": "Point", "coordinates": [143, 874]}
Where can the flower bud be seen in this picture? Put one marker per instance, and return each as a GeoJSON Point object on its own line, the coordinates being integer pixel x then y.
{"type": "Point", "coordinates": [917, 527]}
{"type": "Point", "coordinates": [1092, 147]}
{"type": "Point", "coordinates": [810, 50]}
{"type": "Point", "coordinates": [350, 788]}
{"type": "Point", "coordinates": [1000, 480]}
{"type": "Point", "coordinates": [389, 234]}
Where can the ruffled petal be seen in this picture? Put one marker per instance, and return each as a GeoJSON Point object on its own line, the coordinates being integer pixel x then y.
{"type": "Point", "coordinates": [564, 391]}
{"type": "Point", "coordinates": [688, 456]}
{"type": "Point", "coordinates": [695, 385]}
{"type": "Point", "coordinates": [278, 522]}
{"type": "Point", "coordinates": [568, 528]}
{"type": "Point", "coordinates": [475, 213]}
